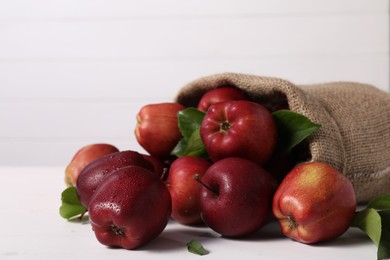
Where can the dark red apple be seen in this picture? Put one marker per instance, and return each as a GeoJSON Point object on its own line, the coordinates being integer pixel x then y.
{"type": "Point", "coordinates": [83, 157]}
{"type": "Point", "coordinates": [95, 172]}
{"type": "Point", "coordinates": [221, 94]}
{"type": "Point", "coordinates": [314, 203]}
{"type": "Point", "coordinates": [157, 128]}
{"type": "Point", "coordinates": [239, 129]}
{"type": "Point", "coordinates": [130, 208]}
{"type": "Point", "coordinates": [236, 197]}
{"type": "Point", "coordinates": [184, 189]}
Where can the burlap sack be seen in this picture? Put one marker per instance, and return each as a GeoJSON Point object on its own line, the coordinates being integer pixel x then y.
{"type": "Point", "coordinates": [355, 122]}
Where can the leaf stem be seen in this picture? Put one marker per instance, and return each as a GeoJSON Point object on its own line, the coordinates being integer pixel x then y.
{"type": "Point", "coordinates": [82, 215]}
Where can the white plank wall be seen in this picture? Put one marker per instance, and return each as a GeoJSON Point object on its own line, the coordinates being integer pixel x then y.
{"type": "Point", "coordinates": [74, 72]}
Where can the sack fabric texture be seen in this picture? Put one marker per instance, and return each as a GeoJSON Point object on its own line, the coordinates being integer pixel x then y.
{"type": "Point", "coordinates": [354, 136]}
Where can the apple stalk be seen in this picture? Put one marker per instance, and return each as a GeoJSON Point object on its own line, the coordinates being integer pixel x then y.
{"type": "Point", "coordinates": [196, 177]}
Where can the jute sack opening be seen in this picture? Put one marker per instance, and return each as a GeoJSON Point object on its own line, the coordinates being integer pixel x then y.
{"type": "Point", "coordinates": [355, 122]}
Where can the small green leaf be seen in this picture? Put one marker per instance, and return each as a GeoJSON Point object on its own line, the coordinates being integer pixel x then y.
{"type": "Point", "coordinates": [189, 119]}
{"type": "Point", "coordinates": [71, 206]}
{"type": "Point", "coordinates": [380, 203]}
{"type": "Point", "coordinates": [292, 128]}
{"type": "Point", "coordinates": [369, 221]}
{"type": "Point", "coordinates": [196, 247]}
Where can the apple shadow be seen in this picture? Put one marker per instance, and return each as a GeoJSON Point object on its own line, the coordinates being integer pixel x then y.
{"type": "Point", "coordinates": [271, 231]}
{"type": "Point", "coordinates": [163, 244]}
{"type": "Point", "coordinates": [203, 234]}
{"type": "Point", "coordinates": [352, 238]}
{"type": "Point", "coordinates": [177, 239]}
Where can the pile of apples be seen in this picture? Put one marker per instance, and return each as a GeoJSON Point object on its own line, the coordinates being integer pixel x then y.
{"type": "Point", "coordinates": [130, 197]}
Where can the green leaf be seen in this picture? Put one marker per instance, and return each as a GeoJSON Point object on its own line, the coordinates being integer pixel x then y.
{"type": "Point", "coordinates": [196, 247]}
{"type": "Point", "coordinates": [292, 128]}
{"type": "Point", "coordinates": [384, 244]}
{"type": "Point", "coordinates": [193, 147]}
{"type": "Point", "coordinates": [180, 148]}
{"type": "Point", "coordinates": [189, 119]}
{"type": "Point", "coordinates": [380, 203]}
{"type": "Point", "coordinates": [191, 144]}
{"type": "Point", "coordinates": [71, 206]}
{"type": "Point", "coordinates": [375, 222]}
{"type": "Point", "coordinates": [369, 221]}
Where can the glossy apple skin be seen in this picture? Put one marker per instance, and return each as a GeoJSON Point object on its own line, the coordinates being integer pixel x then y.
{"type": "Point", "coordinates": [241, 203]}
{"type": "Point", "coordinates": [94, 173]}
{"type": "Point", "coordinates": [314, 203]}
{"type": "Point", "coordinates": [239, 129]}
{"type": "Point", "coordinates": [130, 208]}
{"type": "Point", "coordinates": [83, 157]}
{"type": "Point", "coordinates": [184, 189]}
{"type": "Point", "coordinates": [157, 128]}
{"type": "Point", "coordinates": [220, 95]}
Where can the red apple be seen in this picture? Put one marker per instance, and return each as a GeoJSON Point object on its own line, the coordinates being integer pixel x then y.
{"type": "Point", "coordinates": [221, 94]}
{"type": "Point", "coordinates": [184, 189]}
{"type": "Point", "coordinates": [157, 128]}
{"type": "Point", "coordinates": [314, 203]}
{"type": "Point", "coordinates": [92, 176]}
{"type": "Point", "coordinates": [236, 196]}
{"type": "Point", "coordinates": [130, 208]}
{"type": "Point", "coordinates": [83, 157]}
{"type": "Point", "coordinates": [239, 129]}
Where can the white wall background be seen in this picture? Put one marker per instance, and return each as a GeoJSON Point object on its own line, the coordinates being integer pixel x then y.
{"type": "Point", "coordinates": [74, 72]}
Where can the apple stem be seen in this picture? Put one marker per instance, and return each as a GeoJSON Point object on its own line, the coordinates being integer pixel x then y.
{"type": "Point", "coordinates": [196, 177]}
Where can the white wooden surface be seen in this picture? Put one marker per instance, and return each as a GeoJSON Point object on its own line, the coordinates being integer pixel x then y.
{"type": "Point", "coordinates": [76, 72]}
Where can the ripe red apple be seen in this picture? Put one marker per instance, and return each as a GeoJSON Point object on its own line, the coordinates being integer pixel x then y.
{"type": "Point", "coordinates": [157, 128]}
{"type": "Point", "coordinates": [314, 203]}
{"type": "Point", "coordinates": [94, 173]}
{"type": "Point", "coordinates": [221, 94]}
{"type": "Point", "coordinates": [184, 189]}
{"type": "Point", "coordinates": [83, 157]}
{"type": "Point", "coordinates": [236, 197]}
{"type": "Point", "coordinates": [130, 208]}
{"type": "Point", "coordinates": [239, 129]}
